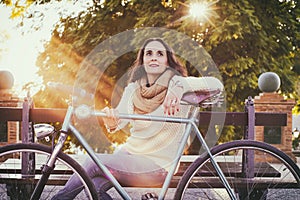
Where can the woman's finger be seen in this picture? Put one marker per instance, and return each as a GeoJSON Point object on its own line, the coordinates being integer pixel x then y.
{"type": "Point", "coordinates": [111, 115]}
{"type": "Point", "coordinates": [171, 105]}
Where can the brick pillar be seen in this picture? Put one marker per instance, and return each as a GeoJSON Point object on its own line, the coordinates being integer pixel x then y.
{"type": "Point", "coordinates": [8, 99]}
{"type": "Point", "coordinates": [280, 137]}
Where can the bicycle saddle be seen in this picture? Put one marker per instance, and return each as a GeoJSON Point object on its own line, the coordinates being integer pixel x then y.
{"type": "Point", "coordinates": [198, 97]}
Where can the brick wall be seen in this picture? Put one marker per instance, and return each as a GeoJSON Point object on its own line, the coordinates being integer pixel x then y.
{"type": "Point", "coordinates": [8, 99]}
{"type": "Point", "coordinates": [274, 102]}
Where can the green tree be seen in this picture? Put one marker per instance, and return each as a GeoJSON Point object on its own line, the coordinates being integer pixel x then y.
{"type": "Point", "coordinates": [245, 38]}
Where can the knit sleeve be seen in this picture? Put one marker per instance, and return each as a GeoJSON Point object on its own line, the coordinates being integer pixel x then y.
{"type": "Point", "coordinates": [190, 83]}
{"type": "Point", "coordinates": [125, 105]}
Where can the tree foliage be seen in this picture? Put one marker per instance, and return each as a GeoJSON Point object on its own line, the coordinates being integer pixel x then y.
{"type": "Point", "coordinates": [245, 38]}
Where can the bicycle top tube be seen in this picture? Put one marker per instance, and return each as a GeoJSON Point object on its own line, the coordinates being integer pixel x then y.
{"type": "Point", "coordinates": [196, 98]}
{"type": "Point", "coordinates": [148, 117]}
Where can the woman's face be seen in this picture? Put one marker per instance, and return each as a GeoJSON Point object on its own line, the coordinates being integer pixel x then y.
{"type": "Point", "coordinates": [155, 59]}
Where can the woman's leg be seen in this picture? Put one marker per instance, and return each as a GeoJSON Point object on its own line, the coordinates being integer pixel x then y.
{"type": "Point", "coordinates": [102, 185]}
{"type": "Point", "coordinates": [74, 185]}
{"type": "Point", "coordinates": [130, 170]}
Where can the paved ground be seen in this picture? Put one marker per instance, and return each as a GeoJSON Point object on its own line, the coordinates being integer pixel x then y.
{"type": "Point", "coordinates": [137, 193]}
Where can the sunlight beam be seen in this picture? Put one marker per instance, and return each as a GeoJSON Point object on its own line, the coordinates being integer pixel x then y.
{"type": "Point", "coordinates": [22, 38]}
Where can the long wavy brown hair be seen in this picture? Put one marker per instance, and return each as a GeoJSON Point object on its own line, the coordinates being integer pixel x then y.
{"type": "Point", "coordinates": [137, 69]}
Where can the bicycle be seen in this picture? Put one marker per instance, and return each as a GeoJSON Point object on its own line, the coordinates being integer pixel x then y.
{"type": "Point", "coordinates": [242, 169]}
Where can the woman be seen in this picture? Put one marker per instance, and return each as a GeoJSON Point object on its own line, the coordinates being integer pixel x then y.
{"type": "Point", "coordinates": [157, 83]}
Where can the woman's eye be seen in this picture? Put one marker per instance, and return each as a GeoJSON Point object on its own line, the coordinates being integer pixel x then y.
{"type": "Point", "coordinates": [148, 53]}
{"type": "Point", "coordinates": [160, 53]}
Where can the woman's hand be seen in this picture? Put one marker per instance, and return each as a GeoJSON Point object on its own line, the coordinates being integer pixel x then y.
{"type": "Point", "coordinates": [171, 104]}
{"type": "Point", "coordinates": [172, 100]}
{"type": "Point", "coordinates": [112, 120]}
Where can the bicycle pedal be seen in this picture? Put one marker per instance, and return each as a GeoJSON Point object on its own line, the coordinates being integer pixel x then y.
{"type": "Point", "coordinates": [149, 196]}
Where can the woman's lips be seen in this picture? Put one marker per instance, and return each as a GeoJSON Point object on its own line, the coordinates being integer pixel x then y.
{"type": "Point", "coordinates": [154, 65]}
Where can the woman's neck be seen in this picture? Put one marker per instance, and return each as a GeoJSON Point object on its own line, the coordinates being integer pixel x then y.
{"type": "Point", "coordinates": [151, 78]}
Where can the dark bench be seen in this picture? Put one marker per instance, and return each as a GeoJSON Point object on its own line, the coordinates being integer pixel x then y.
{"type": "Point", "coordinates": [59, 176]}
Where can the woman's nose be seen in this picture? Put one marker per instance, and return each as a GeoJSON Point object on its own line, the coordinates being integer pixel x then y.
{"type": "Point", "coordinates": [153, 58]}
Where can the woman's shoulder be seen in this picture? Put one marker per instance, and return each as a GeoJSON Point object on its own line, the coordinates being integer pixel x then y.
{"type": "Point", "coordinates": [131, 86]}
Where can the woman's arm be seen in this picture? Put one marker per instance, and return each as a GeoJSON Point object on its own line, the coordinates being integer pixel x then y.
{"type": "Point", "coordinates": [112, 121]}
{"type": "Point", "coordinates": [190, 84]}
{"type": "Point", "coordinates": [171, 103]}
{"type": "Point", "coordinates": [180, 85]}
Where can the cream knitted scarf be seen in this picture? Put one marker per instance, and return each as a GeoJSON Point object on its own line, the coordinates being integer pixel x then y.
{"type": "Point", "coordinates": [148, 97]}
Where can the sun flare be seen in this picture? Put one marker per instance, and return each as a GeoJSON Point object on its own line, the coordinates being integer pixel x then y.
{"type": "Point", "coordinates": [203, 11]}
{"type": "Point", "coordinates": [199, 10]}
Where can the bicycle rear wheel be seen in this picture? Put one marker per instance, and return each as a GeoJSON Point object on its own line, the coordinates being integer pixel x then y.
{"type": "Point", "coordinates": [270, 174]}
{"type": "Point", "coordinates": [17, 180]}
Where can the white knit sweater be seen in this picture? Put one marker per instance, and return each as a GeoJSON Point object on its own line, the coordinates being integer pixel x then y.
{"type": "Point", "coordinates": [159, 141]}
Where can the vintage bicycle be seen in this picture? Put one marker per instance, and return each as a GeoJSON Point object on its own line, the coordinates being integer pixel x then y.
{"type": "Point", "coordinates": [243, 169]}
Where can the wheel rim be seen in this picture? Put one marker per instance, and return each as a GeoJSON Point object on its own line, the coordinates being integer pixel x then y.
{"type": "Point", "coordinates": [16, 187]}
{"type": "Point", "coordinates": [256, 188]}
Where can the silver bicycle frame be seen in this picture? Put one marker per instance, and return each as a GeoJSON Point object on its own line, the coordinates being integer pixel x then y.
{"type": "Point", "coordinates": [191, 123]}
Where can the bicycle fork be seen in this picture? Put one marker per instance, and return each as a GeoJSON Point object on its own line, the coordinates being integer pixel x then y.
{"type": "Point", "coordinates": [49, 166]}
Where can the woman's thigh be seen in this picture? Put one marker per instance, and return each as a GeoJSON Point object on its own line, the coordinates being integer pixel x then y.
{"type": "Point", "coordinates": [130, 170]}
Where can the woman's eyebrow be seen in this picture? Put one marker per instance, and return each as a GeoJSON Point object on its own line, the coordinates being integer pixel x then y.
{"type": "Point", "coordinates": [148, 51]}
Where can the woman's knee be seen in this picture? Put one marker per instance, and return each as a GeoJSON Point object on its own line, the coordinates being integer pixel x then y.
{"type": "Point", "coordinates": [91, 168]}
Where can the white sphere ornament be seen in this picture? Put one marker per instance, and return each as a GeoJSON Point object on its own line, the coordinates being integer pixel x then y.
{"type": "Point", "coordinates": [6, 80]}
{"type": "Point", "coordinates": [269, 82]}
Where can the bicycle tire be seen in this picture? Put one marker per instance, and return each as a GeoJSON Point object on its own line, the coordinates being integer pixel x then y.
{"type": "Point", "coordinates": [14, 185]}
{"type": "Point", "coordinates": [265, 184]}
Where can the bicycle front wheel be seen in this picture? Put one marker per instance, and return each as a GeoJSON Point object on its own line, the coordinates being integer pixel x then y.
{"type": "Point", "coordinates": [267, 173]}
{"type": "Point", "coordinates": [20, 170]}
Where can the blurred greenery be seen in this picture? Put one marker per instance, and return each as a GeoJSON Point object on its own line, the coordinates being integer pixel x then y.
{"type": "Point", "coordinates": [244, 37]}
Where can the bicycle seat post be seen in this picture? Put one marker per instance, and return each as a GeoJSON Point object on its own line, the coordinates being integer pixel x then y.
{"type": "Point", "coordinates": [213, 161]}
{"type": "Point", "coordinates": [194, 111]}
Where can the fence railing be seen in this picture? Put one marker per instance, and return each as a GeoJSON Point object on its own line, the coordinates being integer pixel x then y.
{"type": "Point", "coordinates": [249, 119]}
